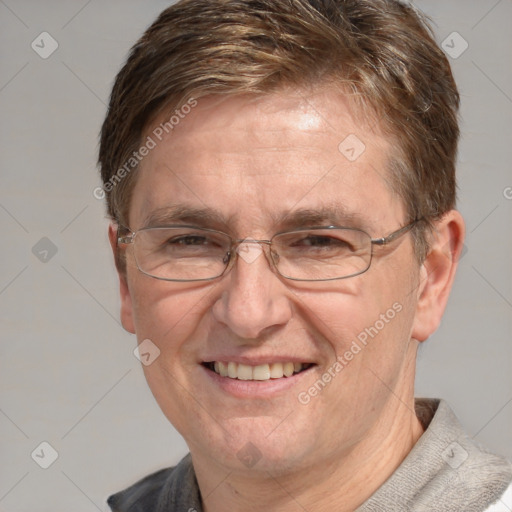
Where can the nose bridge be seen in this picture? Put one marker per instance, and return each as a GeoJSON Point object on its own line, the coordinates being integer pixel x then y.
{"type": "Point", "coordinates": [253, 298]}
{"type": "Point", "coordinates": [250, 249]}
{"type": "Point", "coordinates": [262, 243]}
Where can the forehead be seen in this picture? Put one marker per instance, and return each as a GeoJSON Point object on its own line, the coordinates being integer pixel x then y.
{"type": "Point", "coordinates": [257, 159]}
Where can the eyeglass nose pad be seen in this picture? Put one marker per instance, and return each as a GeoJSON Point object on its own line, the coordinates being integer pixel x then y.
{"type": "Point", "coordinates": [249, 250]}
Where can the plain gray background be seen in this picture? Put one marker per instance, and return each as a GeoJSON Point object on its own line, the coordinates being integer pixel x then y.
{"type": "Point", "coordinates": [68, 375]}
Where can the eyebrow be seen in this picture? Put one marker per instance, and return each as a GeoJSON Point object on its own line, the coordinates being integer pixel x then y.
{"type": "Point", "coordinates": [335, 215]}
{"type": "Point", "coordinates": [183, 214]}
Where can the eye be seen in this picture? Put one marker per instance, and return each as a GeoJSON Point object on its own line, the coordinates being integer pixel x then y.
{"type": "Point", "coordinates": [189, 240]}
{"type": "Point", "coordinates": [320, 241]}
{"type": "Point", "coordinates": [193, 243]}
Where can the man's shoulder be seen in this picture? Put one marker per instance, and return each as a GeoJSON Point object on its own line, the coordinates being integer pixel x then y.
{"type": "Point", "coordinates": [504, 502]}
{"type": "Point", "coordinates": [446, 470]}
{"type": "Point", "coordinates": [462, 472]}
{"type": "Point", "coordinates": [143, 494]}
{"type": "Point", "coordinates": [158, 490]}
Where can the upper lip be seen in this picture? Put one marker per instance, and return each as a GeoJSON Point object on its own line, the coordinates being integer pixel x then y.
{"type": "Point", "coordinates": [256, 361]}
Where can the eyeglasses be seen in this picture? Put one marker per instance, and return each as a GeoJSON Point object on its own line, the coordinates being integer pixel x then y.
{"type": "Point", "coordinates": [189, 253]}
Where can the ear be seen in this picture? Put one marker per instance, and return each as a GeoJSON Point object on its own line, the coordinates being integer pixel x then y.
{"type": "Point", "coordinates": [126, 299]}
{"type": "Point", "coordinates": [437, 274]}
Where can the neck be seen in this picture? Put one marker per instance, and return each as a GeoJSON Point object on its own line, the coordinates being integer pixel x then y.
{"type": "Point", "coordinates": [342, 483]}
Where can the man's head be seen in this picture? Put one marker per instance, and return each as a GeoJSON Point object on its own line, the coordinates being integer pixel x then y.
{"type": "Point", "coordinates": [378, 52]}
{"type": "Point", "coordinates": [262, 117]}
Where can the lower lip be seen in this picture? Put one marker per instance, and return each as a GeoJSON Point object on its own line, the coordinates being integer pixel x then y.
{"type": "Point", "coordinates": [254, 388]}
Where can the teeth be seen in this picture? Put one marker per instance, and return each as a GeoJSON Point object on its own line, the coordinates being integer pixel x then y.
{"type": "Point", "coordinates": [244, 372]}
{"type": "Point", "coordinates": [223, 369]}
{"type": "Point", "coordinates": [276, 370]}
{"type": "Point", "coordinates": [288, 369]}
{"type": "Point", "coordinates": [260, 372]}
{"type": "Point", "coordinates": [233, 370]}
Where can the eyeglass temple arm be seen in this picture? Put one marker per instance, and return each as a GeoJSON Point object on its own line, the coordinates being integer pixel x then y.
{"type": "Point", "coordinates": [127, 238]}
{"type": "Point", "coordinates": [396, 234]}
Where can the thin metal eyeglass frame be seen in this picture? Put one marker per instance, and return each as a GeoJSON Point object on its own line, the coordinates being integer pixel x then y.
{"type": "Point", "coordinates": [130, 237]}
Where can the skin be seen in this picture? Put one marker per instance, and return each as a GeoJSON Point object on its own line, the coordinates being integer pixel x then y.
{"type": "Point", "coordinates": [252, 160]}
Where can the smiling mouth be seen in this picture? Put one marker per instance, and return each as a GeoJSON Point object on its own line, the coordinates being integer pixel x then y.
{"type": "Point", "coordinates": [260, 372]}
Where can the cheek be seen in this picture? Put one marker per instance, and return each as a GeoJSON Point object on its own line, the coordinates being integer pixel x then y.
{"type": "Point", "coordinates": [168, 313]}
{"type": "Point", "coordinates": [170, 316]}
{"type": "Point", "coordinates": [342, 313]}
{"type": "Point", "coordinates": [364, 326]}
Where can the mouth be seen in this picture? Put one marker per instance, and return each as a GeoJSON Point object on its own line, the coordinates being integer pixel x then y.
{"type": "Point", "coordinates": [261, 372]}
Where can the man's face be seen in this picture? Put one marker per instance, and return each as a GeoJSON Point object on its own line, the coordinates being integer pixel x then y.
{"type": "Point", "coordinates": [256, 163]}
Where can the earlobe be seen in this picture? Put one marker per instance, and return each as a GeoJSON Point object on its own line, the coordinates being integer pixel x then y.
{"type": "Point", "coordinates": [124, 290]}
{"type": "Point", "coordinates": [437, 274]}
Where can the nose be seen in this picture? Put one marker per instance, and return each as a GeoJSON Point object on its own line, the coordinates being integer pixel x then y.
{"type": "Point", "coordinates": [253, 300]}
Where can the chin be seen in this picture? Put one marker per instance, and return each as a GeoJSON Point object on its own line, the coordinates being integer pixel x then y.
{"type": "Point", "coordinates": [253, 445]}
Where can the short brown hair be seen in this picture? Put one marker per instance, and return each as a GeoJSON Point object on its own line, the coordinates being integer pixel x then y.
{"type": "Point", "coordinates": [381, 52]}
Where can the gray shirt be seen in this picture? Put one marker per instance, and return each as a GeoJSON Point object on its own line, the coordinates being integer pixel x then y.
{"type": "Point", "coordinates": [446, 471]}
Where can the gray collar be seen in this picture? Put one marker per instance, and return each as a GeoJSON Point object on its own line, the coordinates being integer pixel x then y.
{"type": "Point", "coordinates": [445, 471]}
